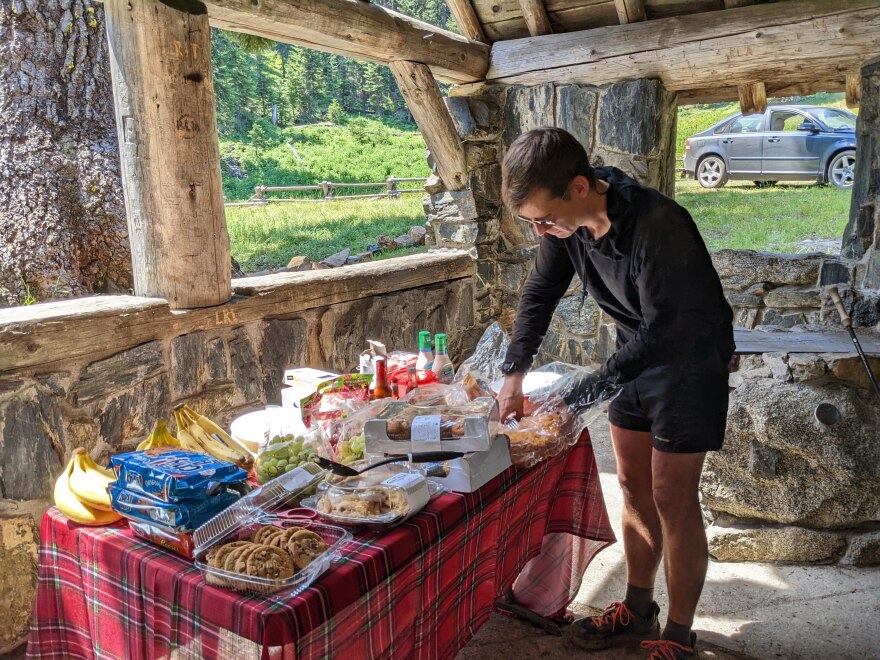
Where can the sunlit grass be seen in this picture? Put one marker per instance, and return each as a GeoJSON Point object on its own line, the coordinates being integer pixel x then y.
{"type": "Point", "coordinates": [268, 236]}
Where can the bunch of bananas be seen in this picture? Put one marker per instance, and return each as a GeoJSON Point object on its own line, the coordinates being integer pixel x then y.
{"type": "Point", "coordinates": [81, 491]}
{"type": "Point", "coordinates": [196, 432]}
{"type": "Point", "coordinates": [160, 437]}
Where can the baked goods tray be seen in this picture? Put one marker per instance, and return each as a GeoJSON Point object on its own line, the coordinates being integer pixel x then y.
{"type": "Point", "coordinates": [335, 539]}
{"type": "Point", "coordinates": [373, 523]}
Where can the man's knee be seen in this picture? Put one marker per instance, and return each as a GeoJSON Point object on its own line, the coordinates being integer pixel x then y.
{"type": "Point", "coordinates": [672, 497]}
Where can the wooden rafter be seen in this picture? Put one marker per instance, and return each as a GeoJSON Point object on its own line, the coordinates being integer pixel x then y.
{"type": "Point", "coordinates": [535, 15]}
{"type": "Point", "coordinates": [466, 19]}
{"type": "Point", "coordinates": [630, 11]}
{"type": "Point", "coordinates": [425, 102]}
{"type": "Point", "coordinates": [752, 97]}
{"type": "Point", "coordinates": [796, 42]}
{"type": "Point", "coordinates": [356, 29]}
{"type": "Point", "coordinates": [853, 90]}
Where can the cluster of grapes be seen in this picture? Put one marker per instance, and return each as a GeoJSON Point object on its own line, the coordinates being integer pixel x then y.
{"type": "Point", "coordinates": [352, 449]}
{"type": "Point", "coordinates": [282, 454]}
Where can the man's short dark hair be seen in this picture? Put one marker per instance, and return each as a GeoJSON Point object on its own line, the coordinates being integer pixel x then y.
{"type": "Point", "coordinates": [546, 158]}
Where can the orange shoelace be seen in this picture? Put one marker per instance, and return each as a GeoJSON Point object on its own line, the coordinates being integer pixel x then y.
{"type": "Point", "coordinates": [664, 649]}
{"type": "Point", "coordinates": [616, 614]}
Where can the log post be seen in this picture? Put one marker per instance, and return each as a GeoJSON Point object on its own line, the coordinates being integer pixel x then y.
{"type": "Point", "coordinates": [535, 15]}
{"type": "Point", "coordinates": [853, 90]}
{"type": "Point", "coordinates": [160, 60]}
{"type": "Point", "coordinates": [752, 97]}
{"type": "Point", "coordinates": [426, 104]}
{"type": "Point", "coordinates": [466, 19]}
{"type": "Point", "coordinates": [630, 11]}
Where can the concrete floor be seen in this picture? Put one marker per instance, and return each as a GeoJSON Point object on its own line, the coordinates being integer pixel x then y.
{"type": "Point", "coordinates": [795, 612]}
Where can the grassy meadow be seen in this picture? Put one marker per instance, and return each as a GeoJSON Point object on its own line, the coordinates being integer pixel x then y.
{"type": "Point", "coordinates": [739, 215]}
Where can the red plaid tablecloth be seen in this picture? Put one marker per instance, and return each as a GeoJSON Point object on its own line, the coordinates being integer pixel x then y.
{"type": "Point", "coordinates": [420, 589]}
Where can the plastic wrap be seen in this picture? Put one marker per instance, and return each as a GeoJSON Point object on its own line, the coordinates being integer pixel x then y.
{"type": "Point", "coordinates": [335, 398]}
{"type": "Point", "coordinates": [556, 408]}
{"type": "Point", "coordinates": [344, 439]}
{"type": "Point", "coordinates": [284, 453]}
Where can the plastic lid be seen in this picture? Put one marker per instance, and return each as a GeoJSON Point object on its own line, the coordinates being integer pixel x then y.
{"type": "Point", "coordinates": [425, 340]}
{"type": "Point", "coordinates": [267, 497]}
{"type": "Point", "coordinates": [440, 342]}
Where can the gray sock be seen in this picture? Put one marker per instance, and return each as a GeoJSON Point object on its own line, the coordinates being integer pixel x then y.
{"type": "Point", "coordinates": [639, 600]}
{"type": "Point", "coordinates": [677, 632]}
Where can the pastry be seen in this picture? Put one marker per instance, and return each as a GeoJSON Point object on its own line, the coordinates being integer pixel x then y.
{"type": "Point", "coordinates": [268, 562]}
{"type": "Point", "coordinates": [304, 547]}
{"type": "Point", "coordinates": [260, 534]}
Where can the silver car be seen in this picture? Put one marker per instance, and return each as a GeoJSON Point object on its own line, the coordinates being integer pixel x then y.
{"type": "Point", "coordinates": [784, 143]}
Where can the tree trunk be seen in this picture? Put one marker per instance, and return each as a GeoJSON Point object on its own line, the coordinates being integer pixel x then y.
{"type": "Point", "coordinates": [62, 219]}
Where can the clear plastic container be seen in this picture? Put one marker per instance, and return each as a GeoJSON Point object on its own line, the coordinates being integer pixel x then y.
{"type": "Point", "coordinates": [256, 510]}
{"type": "Point", "coordinates": [376, 499]}
{"type": "Point", "coordinates": [335, 538]}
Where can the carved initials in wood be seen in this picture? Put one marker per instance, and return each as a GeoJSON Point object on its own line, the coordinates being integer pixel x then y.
{"type": "Point", "coordinates": [186, 50]}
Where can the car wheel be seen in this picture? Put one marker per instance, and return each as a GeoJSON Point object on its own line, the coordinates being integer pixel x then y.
{"type": "Point", "coordinates": [765, 184]}
{"type": "Point", "coordinates": [711, 172]}
{"type": "Point", "coordinates": [840, 170]}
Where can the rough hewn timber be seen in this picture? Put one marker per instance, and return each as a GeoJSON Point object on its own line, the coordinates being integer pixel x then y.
{"type": "Point", "coordinates": [160, 59]}
{"type": "Point", "coordinates": [535, 16]}
{"type": "Point", "coordinates": [752, 97]}
{"type": "Point", "coordinates": [630, 11]}
{"type": "Point", "coordinates": [736, 45]}
{"type": "Point", "coordinates": [425, 102]}
{"type": "Point", "coordinates": [355, 29]}
{"type": "Point", "coordinates": [853, 90]}
{"type": "Point", "coordinates": [467, 20]}
{"type": "Point", "coordinates": [51, 333]}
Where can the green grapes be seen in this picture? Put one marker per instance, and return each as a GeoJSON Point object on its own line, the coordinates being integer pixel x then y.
{"type": "Point", "coordinates": [282, 454]}
{"type": "Point", "coordinates": [353, 449]}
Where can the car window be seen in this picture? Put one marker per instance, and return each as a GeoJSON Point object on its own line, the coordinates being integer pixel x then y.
{"type": "Point", "coordinates": [750, 124]}
{"type": "Point", "coordinates": [835, 119]}
{"type": "Point", "coordinates": [786, 120]}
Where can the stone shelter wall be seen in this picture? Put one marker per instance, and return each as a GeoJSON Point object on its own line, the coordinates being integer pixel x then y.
{"type": "Point", "coordinates": [98, 373]}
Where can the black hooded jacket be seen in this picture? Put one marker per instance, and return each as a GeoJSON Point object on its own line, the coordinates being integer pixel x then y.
{"type": "Point", "coordinates": [651, 273]}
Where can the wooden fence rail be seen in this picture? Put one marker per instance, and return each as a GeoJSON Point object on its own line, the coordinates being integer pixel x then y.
{"type": "Point", "coordinates": [327, 189]}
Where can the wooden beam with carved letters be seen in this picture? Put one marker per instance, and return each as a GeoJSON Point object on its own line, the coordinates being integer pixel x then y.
{"type": "Point", "coordinates": [425, 102]}
{"type": "Point", "coordinates": [355, 29]}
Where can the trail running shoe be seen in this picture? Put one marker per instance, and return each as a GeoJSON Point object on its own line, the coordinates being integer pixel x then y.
{"type": "Point", "coordinates": [666, 649]}
{"type": "Point", "coordinates": [616, 626]}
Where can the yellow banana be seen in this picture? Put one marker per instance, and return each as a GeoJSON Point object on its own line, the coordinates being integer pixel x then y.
{"type": "Point", "coordinates": [215, 431]}
{"type": "Point", "coordinates": [70, 505]}
{"type": "Point", "coordinates": [160, 437]}
{"type": "Point", "coordinates": [188, 442]}
{"type": "Point", "coordinates": [89, 482]}
{"type": "Point", "coordinates": [207, 443]}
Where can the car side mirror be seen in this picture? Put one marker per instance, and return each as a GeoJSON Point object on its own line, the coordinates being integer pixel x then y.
{"type": "Point", "coordinates": [808, 126]}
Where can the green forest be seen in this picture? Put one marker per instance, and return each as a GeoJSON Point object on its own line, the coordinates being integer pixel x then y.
{"type": "Point", "coordinates": [273, 85]}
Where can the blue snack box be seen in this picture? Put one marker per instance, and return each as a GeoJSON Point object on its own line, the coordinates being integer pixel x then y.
{"type": "Point", "coordinates": [171, 474]}
{"type": "Point", "coordinates": [183, 516]}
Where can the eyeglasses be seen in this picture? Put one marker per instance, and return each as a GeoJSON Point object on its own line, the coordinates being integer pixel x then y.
{"type": "Point", "coordinates": [537, 223]}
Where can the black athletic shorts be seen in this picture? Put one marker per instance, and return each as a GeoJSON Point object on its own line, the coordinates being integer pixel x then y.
{"type": "Point", "coordinates": [683, 405]}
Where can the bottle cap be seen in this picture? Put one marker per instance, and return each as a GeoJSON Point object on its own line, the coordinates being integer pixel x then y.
{"type": "Point", "coordinates": [424, 340]}
{"type": "Point", "coordinates": [440, 341]}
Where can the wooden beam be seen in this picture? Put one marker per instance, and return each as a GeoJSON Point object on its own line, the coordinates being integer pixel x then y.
{"type": "Point", "coordinates": [774, 88]}
{"type": "Point", "coordinates": [44, 337]}
{"type": "Point", "coordinates": [787, 40]}
{"type": "Point", "coordinates": [425, 102]}
{"type": "Point", "coordinates": [630, 11]}
{"type": "Point", "coordinates": [160, 61]}
{"type": "Point", "coordinates": [752, 97]}
{"type": "Point", "coordinates": [466, 19]}
{"type": "Point", "coordinates": [535, 15]}
{"type": "Point", "coordinates": [853, 90]}
{"type": "Point", "coordinates": [734, 4]}
{"type": "Point", "coordinates": [355, 29]}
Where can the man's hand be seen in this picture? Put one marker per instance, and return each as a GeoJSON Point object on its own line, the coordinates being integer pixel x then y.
{"type": "Point", "coordinates": [510, 398]}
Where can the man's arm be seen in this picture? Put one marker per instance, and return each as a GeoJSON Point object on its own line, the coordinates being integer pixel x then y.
{"type": "Point", "coordinates": [547, 282]}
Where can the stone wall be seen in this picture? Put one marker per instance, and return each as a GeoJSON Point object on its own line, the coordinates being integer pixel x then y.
{"type": "Point", "coordinates": [787, 487]}
{"type": "Point", "coordinates": [206, 358]}
{"type": "Point", "coordinates": [630, 125]}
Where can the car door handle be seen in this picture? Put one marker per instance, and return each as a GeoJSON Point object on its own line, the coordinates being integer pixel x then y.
{"type": "Point", "coordinates": [726, 140]}
{"type": "Point", "coordinates": [776, 139]}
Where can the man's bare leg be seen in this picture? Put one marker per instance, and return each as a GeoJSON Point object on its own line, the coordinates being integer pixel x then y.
{"type": "Point", "coordinates": [676, 479]}
{"type": "Point", "coordinates": [642, 531]}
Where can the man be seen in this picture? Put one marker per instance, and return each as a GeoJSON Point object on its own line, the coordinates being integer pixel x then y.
{"type": "Point", "coordinates": [640, 256]}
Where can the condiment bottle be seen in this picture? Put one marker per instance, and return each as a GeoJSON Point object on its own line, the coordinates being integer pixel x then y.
{"type": "Point", "coordinates": [380, 381]}
{"type": "Point", "coordinates": [442, 366]}
{"type": "Point", "coordinates": [426, 355]}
